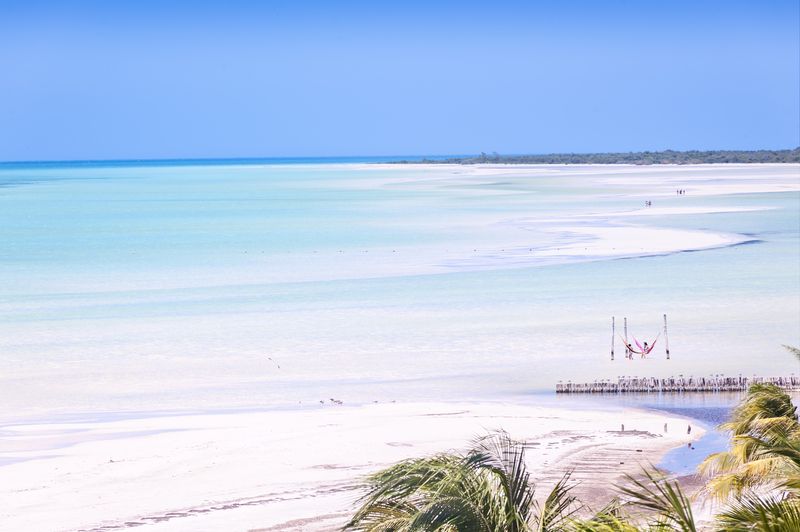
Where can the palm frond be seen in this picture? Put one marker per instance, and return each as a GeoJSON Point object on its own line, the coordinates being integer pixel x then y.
{"type": "Point", "coordinates": [725, 487]}
{"type": "Point", "coordinates": [558, 508]}
{"type": "Point", "coordinates": [398, 490]}
{"type": "Point", "coordinates": [662, 497]}
{"type": "Point", "coordinates": [383, 516]}
{"type": "Point", "coordinates": [765, 513]}
{"type": "Point", "coordinates": [793, 350]}
{"type": "Point", "coordinates": [762, 401]}
{"type": "Point", "coordinates": [456, 513]}
{"type": "Point", "coordinates": [785, 447]}
{"type": "Point", "coordinates": [610, 519]}
{"type": "Point", "coordinates": [718, 464]}
{"type": "Point", "coordinates": [505, 458]}
{"type": "Point", "coordinates": [611, 524]}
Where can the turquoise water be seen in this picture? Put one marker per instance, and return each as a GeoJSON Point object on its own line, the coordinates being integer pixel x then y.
{"type": "Point", "coordinates": [706, 410]}
{"type": "Point", "coordinates": [176, 286]}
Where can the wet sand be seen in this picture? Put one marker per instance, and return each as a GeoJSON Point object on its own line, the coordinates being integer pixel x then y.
{"type": "Point", "coordinates": [291, 470]}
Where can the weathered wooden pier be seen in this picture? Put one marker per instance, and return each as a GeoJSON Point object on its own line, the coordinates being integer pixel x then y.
{"type": "Point", "coordinates": [676, 384]}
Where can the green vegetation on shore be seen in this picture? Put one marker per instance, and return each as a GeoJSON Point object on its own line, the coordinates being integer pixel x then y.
{"type": "Point", "coordinates": [487, 489]}
{"type": "Point", "coordinates": [642, 158]}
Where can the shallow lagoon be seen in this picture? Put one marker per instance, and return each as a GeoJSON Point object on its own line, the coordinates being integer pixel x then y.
{"type": "Point", "coordinates": [184, 287]}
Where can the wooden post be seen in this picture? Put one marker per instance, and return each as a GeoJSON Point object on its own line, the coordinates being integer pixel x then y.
{"type": "Point", "coordinates": [666, 338]}
{"type": "Point", "coordinates": [612, 337]}
{"type": "Point", "coordinates": [627, 351]}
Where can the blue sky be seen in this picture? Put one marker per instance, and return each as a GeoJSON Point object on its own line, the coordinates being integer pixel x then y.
{"type": "Point", "coordinates": [147, 79]}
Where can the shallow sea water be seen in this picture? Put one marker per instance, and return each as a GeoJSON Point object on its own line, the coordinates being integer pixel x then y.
{"type": "Point", "coordinates": [199, 287]}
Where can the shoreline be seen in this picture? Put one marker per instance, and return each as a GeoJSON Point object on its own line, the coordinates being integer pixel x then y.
{"type": "Point", "coordinates": [273, 468]}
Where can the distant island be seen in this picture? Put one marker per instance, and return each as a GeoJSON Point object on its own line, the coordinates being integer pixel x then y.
{"type": "Point", "coordinates": [643, 158]}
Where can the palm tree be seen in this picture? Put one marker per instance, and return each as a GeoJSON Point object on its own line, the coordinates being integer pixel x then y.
{"type": "Point", "coordinates": [771, 502]}
{"type": "Point", "coordinates": [765, 420]}
{"type": "Point", "coordinates": [759, 476]}
{"type": "Point", "coordinates": [488, 489]}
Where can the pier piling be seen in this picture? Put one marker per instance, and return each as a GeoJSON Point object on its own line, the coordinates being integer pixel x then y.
{"type": "Point", "coordinates": [677, 384]}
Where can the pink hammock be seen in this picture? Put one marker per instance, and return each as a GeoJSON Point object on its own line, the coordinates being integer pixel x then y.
{"type": "Point", "coordinates": [642, 351]}
{"type": "Point", "coordinates": [645, 350]}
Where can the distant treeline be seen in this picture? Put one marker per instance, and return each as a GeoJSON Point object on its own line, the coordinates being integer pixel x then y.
{"type": "Point", "coordinates": [644, 157]}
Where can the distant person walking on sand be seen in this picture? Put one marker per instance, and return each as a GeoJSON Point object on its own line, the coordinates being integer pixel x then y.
{"type": "Point", "coordinates": [623, 427]}
{"type": "Point", "coordinates": [665, 427]}
{"type": "Point", "coordinates": [689, 430]}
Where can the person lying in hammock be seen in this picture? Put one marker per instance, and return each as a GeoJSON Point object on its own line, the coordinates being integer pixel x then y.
{"type": "Point", "coordinates": [629, 351]}
{"type": "Point", "coordinates": [643, 350]}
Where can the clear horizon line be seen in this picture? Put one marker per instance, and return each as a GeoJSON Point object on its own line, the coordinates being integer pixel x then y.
{"type": "Point", "coordinates": [414, 156]}
{"type": "Point", "coordinates": [241, 158]}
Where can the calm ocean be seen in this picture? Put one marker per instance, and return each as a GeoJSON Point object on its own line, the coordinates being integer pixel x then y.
{"type": "Point", "coordinates": [195, 285]}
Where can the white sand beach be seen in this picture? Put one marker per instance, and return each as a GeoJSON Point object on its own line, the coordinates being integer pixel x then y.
{"type": "Point", "coordinates": [290, 470]}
